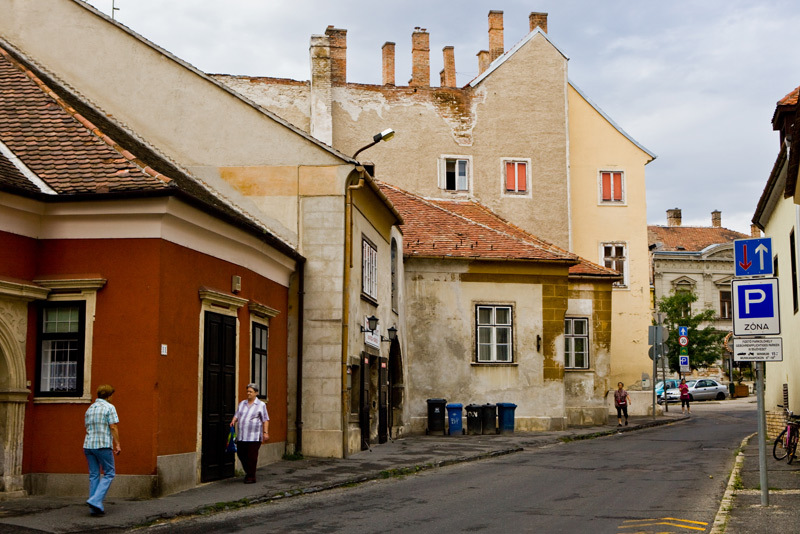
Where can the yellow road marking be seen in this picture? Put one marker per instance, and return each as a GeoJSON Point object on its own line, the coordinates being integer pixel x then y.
{"type": "Point", "coordinates": [668, 521]}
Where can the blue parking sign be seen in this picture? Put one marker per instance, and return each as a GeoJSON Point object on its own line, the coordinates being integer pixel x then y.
{"type": "Point", "coordinates": [755, 307]}
{"type": "Point", "coordinates": [684, 361]}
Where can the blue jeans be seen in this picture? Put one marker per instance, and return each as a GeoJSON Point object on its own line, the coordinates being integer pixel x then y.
{"type": "Point", "coordinates": [98, 487]}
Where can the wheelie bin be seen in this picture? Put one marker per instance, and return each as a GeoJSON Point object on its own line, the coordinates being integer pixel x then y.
{"type": "Point", "coordinates": [488, 419]}
{"type": "Point", "coordinates": [436, 416]}
{"type": "Point", "coordinates": [455, 426]}
{"type": "Point", "coordinates": [505, 417]}
{"type": "Point", "coordinates": [473, 419]}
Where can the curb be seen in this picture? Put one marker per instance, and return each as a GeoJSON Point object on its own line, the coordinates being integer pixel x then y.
{"type": "Point", "coordinates": [725, 505]}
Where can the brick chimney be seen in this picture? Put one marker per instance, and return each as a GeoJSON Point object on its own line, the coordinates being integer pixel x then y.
{"type": "Point", "coordinates": [388, 63]}
{"type": "Point", "coordinates": [538, 20]}
{"type": "Point", "coordinates": [483, 61]}
{"type": "Point", "coordinates": [716, 219]}
{"type": "Point", "coordinates": [338, 44]}
{"type": "Point", "coordinates": [755, 231]}
{"type": "Point", "coordinates": [449, 70]}
{"type": "Point", "coordinates": [321, 124]}
{"type": "Point", "coordinates": [420, 58]}
{"type": "Point", "coordinates": [674, 217]}
{"type": "Point", "coordinates": [495, 34]}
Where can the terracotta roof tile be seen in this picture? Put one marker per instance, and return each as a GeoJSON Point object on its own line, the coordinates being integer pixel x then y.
{"type": "Point", "coordinates": [790, 99]}
{"type": "Point", "coordinates": [689, 238]}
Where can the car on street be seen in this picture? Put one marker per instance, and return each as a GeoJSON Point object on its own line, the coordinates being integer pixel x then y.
{"type": "Point", "coordinates": [671, 383]}
{"type": "Point", "coordinates": [700, 389]}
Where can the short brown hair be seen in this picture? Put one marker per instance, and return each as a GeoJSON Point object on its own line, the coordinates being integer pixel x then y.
{"type": "Point", "coordinates": [104, 391]}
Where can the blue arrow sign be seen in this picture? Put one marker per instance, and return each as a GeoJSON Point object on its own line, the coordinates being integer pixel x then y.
{"type": "Point", "coordinates": [753, 257]}
{"type": "Point", "coordinates": [683, 331]}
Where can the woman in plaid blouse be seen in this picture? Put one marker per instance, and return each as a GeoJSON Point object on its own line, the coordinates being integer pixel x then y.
{"type": "Point", "coordinates": [253, 422]}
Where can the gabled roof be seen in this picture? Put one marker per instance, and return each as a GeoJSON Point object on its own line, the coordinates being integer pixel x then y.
{"type": "Point", "coordinates": [465, 229]}
{"type": "Point", "coordinates": [688, 238]}
{"type": "Point", "coordinates": [55, 147]}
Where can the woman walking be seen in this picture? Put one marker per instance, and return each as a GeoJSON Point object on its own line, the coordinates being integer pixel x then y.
{"type": "Point", "coordinates": [621, 401]}
{"type": "Point", "coordinates": [253, 422]}
{"type": "Point", "coordinates": [685, 397]}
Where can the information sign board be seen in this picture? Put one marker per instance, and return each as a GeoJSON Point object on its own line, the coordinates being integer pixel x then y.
{"type": "Point", "coordinates": [766, 349]}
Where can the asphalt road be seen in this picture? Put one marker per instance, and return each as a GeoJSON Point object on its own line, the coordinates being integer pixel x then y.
{"type": "Point", "coordinates": [667, 479]}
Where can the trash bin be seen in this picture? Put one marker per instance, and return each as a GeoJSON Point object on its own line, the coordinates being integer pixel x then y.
{"type": "Point", "coordinates": [436, 416]}
{"type": "Point", "coordinates": [505, 417]}
{"type": "Point", "coordinates": [454, 422]}
{"type": "Point", "coordinates": [732, 390]}
{"type": "Point", "coordinates": [473, 419]}
{"type": "Point", "coordinates": [488, 419]}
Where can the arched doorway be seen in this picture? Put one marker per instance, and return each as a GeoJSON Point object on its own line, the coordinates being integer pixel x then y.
{"type": "Point", "coordinates": [396, 388]}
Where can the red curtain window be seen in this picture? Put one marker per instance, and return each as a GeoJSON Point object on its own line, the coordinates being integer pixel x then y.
{"type": "Point", "coordinates": [612, 186]}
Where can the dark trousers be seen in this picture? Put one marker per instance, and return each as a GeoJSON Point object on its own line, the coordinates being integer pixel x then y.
{"type": "Point", "coordinates": [248, 455]}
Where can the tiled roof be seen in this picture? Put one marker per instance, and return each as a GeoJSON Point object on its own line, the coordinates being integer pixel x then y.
{"type": "Point", "coordinates": [790, 99]}
{"type": "Point", "coordinates": [13, 177]}
{"type": "Point", "coordinates": [436, 228]}
{"type": "Point", "coordinates": [689, 238]}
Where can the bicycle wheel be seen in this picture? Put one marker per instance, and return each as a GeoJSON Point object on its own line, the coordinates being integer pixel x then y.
{"type": "Point", "coordinates": [792, 446]}
{"type": "Point", "coordinates": [779, 448]}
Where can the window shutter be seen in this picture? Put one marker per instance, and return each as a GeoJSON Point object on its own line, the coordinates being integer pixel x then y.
{"type": "Point", "coordinates": [617, 186]}
{"type": "Point", "coordinates": [606, 183]}
{"type": "Point", "coordinates": [461, 177]}
{"type": "Point", "coordinates": [522, 177]}
{"type": "Point", "coordinates": [510, 176]}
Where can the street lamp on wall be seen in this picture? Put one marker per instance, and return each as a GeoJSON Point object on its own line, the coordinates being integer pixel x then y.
{"type": "Point", "coordinates": [392, 334]}
{"type": "Point", "coordinates": [385, 135]}
{"type": "Point", "coordinates": [372, 325]}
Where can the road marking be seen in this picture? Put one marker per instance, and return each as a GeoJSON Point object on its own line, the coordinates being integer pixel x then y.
{"type": "Point", "coordinates": [668, 521]}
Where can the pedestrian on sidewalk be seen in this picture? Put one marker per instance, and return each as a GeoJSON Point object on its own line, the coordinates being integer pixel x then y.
{"type": "Point", "coordinates": [253, 422]}
{"type": "Point", "coordinates": [100, 446]}
{"type": "Point", "coordinates": [685, 397]}
{"type": "Point", "coordinates": [621, 401]}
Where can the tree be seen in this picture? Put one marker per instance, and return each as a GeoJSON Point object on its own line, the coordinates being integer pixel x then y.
{"type": "Point", "coordinates": [705, 344]}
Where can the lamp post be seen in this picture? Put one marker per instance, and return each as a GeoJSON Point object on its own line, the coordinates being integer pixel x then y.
{"type": "Point", "coordinates": [385, 135]}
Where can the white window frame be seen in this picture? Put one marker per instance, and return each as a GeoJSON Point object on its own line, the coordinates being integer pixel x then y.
{"type": "Point", "coordinates": [624, 190]}
{"type": "Point", "coordinates": [443, 159]}
{"type": "Point", "coordinates": [624, 283]}
{"type": "Point", "coordinates": [493, 327]}
{"type": "Point", "coordinates": [569, 342]}
{"type": "Point", "coordinates": [369, 269]}
{"type": "Point", "coordinates": [528, 173]}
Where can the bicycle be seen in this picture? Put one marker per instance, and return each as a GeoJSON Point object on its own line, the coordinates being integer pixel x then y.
{"type": "Point", "coordinates": [786, 443]}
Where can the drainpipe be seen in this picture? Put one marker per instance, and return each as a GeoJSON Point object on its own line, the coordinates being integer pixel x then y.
{"type": "Point", "coordinates": [298, 419]}
{"type": "Point", "coordinates": [348, 264]}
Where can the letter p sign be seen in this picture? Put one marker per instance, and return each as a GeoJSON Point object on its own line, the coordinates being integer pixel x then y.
{"type": "Point", "coordinates": [755, 307]}
{"type": "Point", "coordinates": [753, 297]}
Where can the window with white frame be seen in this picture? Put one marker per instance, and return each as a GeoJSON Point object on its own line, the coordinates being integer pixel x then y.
{"type": "Point", "coordinates": [516, 176]}
{"type": "Point", "coordinates": [494, 333]}
{"type": "Point", "coordinates": [615, 257]}
{"type": "Point", "coordinates": [612, 187]}
{"type": "Point", "coordinates": [369, 269]}
{"type": "Point", "coordinates": [576, 343]}
{"type": "Point", "coordinates": [725, 304]}
{"type": "Point", "coordinates": [61, 333]}
{"type": "Point", "coordinates": [454, 173]}
{"type": "Point", "coordinates": [258, 365]}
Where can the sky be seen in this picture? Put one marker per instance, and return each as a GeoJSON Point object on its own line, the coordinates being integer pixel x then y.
{"type": "Point", "coordinates": [695, 82]}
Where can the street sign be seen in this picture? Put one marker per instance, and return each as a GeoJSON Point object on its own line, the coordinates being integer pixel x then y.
{"type": "Point", "coordinates": [656, 334]}
{"type": "Point", "coordinates": [755, 307]}
{"type": "Point", "coordinates": [684, 362]}
{"type": "Point", "coordinates": [750, 349]}
{"type": "Point", "coordinates": [753, 257]}
{"type": "Point", "coordinates": [683, 331]}
{"type": "Point", "coordinates": [683, 351]}
{"type": "Point", "coordinates": [653, 352]}
{"type": "Point", "coordinates": [683, 341]}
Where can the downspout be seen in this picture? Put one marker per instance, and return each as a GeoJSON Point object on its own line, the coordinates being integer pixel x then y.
{"type": "Point", "coordinates": [348, 264]}
{"type": "Point", "coordinates": [298, 418]}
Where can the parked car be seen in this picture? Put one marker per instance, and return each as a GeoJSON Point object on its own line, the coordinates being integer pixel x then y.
{"type": "Point", "coordinates": [702, 389]}
{"type": "Point", "coordinates": [671, 383]}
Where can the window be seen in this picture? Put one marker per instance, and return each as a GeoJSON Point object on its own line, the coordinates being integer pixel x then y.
{"type": "Point", "coordinates": [394, 274]}
{"type": "Point", "coordinates": [576, 343]}
{"type": "Point", "coordinates": [494, 333]}
{"type": "Point", "coordinates": [454, 173]}
{"type": "Point", "coordinates": [61, 329]}
{"type": "Point", "coordinates": [724, 304]}
{"type": "Point", "coordinates": [369, 269]}
{"type": "Point", "coordinates": [611, 189]}
{"type": "Point", "coordinates": [516, 175]}
{"type": "Point", "coordinates": [614, 257]}
{"type": "Point", "coordinates": [258, 366]}
{"type": "Point", "coordinates": [793, 259]}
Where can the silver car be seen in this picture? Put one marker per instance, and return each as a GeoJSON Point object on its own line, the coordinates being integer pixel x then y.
{"type": "Point", "coordinates": [700, 389]}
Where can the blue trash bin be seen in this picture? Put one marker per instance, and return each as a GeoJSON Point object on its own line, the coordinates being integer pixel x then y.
{"type": "Point", "coordinates": [454, 419]}
{"type": "Point", "coordinates": [505, 417]}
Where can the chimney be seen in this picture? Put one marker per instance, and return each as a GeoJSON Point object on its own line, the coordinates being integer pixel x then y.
{"type": "Point", "coordinates": [338, 44]}
{"type": "Point", "coordinates": [538, 20]}
{"type": "Point", "coordinates": [495, 34]}
{"type": "Point", "coordinates": [321, 124]}
{"type": "Point", "coordinates": [755, 231]}
{"type": "Point", "coordinates": [674, 217]}
{"type": "Point", "coordinates": [716, 219]}
{"type": "Point", "coordinates": [483, 61]}
{"type": "Point", "coordinates": [420, 58]}
{"type": "Point", "coordinates": [388, 63]}
{"type": "Point", "coordinates": [449, 71]}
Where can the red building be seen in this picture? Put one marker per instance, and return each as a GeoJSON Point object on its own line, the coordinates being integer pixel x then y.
{"type": "Point", "coordinates": [118, 267]}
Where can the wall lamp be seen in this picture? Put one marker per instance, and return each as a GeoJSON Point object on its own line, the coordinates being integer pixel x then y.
{"type": "Point", "coordinates": [372, 325]}
{"type": "Point", "coordinates": [385, 135]}
{"type": "Point", "coordinates": [392, 335]}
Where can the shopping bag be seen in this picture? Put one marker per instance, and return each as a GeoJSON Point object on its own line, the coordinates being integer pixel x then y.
{"type": "Point", "coordinates": [230, 446]}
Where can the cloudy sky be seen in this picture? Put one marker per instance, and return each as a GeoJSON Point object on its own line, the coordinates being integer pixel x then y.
{"type": "Point", "coordinates": [695, 82]}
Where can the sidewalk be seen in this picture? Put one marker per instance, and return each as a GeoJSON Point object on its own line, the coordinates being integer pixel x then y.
{"type": "Point", "coordinates": [746, 515]}
{"type": "Point", "coordinates": [287, 478]}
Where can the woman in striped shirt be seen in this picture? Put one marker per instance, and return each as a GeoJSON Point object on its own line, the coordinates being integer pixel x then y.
{"type": "Point", "coordinates": [253, 422]}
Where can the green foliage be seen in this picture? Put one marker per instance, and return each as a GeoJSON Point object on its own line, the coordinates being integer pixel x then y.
{"type": "Point", "coordinates": [705, 344]}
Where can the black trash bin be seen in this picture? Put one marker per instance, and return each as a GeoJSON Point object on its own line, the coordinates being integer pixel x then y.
{"type": "Point", "coordinates": [505, 417]}
{"type": "Point", "coordinates": [473, 419]}
{"type": "Point", "coordinates": [488, 419]}
{"type": "Point", "coordinates": [436, 416]}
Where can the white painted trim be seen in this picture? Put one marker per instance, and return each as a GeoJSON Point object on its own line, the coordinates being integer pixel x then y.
{"type": "Point", "coordinates": [26, 172]}
{"type": "Point", "coordinates": [600, 201]}
{"type": "Point", "coordinates": [627, 274]}
{"type": "Point", "coordinates": [442, 176]}
{"type": "Point", "coordinates": [528, 174]}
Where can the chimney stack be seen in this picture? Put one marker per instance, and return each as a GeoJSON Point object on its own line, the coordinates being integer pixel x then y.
{"type": "Point", "coordinates": [338, 44]}
{"type": "Point", "coordinates": [420, 58]}
{"type": "Point", "coordinates": [388, 63]}
{"type": "Point", "coordinates": [449, 70]}
{"type": "Point", "coordinates": [674, 217]}
{"type": "Point", "coordinates": [538, 20]}
{"type": "Point", "coordinates": [483, 61]}
{"type": "Point", "coordinates": [716, 219]}
{"type": "Point", "coordinates": [755, 231]}
{"type": "Point", "coordinates": [321, 126]}
{"type": "Point", "coordinates": [495, 34]}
